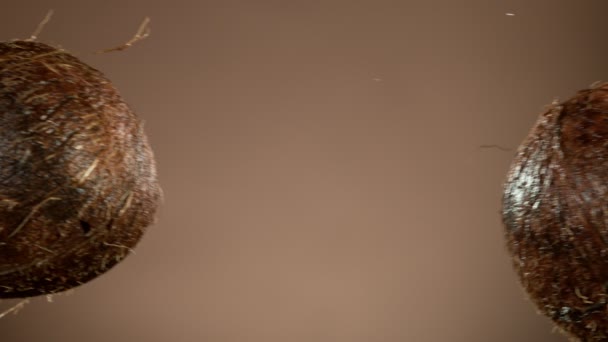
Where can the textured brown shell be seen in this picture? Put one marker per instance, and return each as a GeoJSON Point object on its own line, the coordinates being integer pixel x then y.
{"type": "Point", "coordinates": [78, 183]}
{"type": "Point", "coordinates": [555, 210]}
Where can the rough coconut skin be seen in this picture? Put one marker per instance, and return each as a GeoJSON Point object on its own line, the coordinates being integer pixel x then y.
{"type": "Point", "coordinates": [78, 183]}
{"type": "Point", "coordinates": [555, 210]}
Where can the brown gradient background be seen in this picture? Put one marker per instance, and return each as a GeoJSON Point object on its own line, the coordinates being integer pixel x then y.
{"type": "Point", "coordinates": [321, 165]}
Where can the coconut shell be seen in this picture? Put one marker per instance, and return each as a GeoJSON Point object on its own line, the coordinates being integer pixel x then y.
{"type": "Point", "coordinates": [555, 211]}
{"type": "Point", "coordinates": [78, 182]}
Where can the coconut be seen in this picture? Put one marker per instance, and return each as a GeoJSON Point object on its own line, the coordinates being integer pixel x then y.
{"type": "Point", "coordinates": [78, 182]}
{"type": "Point", "coordinates": [555, 211]}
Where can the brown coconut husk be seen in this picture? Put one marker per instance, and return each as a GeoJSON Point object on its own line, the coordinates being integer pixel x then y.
{"type": "Point", "coordinates": [78, 182]}
{"type": "Point", "coordinates": [555, 210]}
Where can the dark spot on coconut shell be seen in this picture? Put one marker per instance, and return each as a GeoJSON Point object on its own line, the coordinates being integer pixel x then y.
{"type": "Point", "coordinates": [86, 226]}
{"type": "Point", "coordinates": [555, 211]}
{"type": "Point", "coordinates": [78, 183]}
